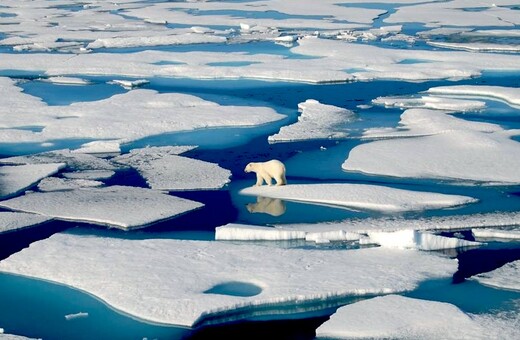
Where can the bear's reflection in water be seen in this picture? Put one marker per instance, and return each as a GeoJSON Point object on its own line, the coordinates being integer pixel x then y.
{"type": "Point", "coordinates": [271, 206]}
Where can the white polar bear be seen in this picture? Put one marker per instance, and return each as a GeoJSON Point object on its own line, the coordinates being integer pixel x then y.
{"type": "Point", "coordinates": [266, 171]}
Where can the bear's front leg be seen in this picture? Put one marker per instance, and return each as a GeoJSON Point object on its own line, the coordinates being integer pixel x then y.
{"type": "Point", "coordinates": [268, 179]}
{"type": "Point", "coordinates": [259, 180]}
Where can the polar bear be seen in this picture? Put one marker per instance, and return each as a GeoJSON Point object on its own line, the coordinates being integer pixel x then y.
{"type": "Point", "coordinates": [266, 171]}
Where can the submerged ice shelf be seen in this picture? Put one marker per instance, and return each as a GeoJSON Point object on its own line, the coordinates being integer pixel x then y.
{"type": "Point", "coordinates": [171, 281]}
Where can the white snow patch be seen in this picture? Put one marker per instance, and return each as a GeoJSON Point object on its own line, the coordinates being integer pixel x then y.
{"type": "Point", "coordinates": [505, 277]}
{"type": "Point", "coordinates": [163, 169]}
{"type": "Point", "coordinates": [443, 149]}
{"type": "Point", "coordinates": [170, 281]}
{"type": "Point", "coordinates": [413, 239]}
{"type": "Point", "coordinates": [317, 121]}
{"type": "Point", "coordinates": [497, 233]}
{"type": "Point", "coordinates": [359, 196]}
{"type": "Point", "coordinates": [399, 317]}
{"type": "Point", "coordinates": [15, 179]}
{"type": "Point", "coordinates": [11, 221]}
{"type": "Point", "coordinates": [117, 206]}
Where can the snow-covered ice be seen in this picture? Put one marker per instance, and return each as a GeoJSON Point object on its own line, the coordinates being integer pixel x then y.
{"type": "Point", "coordinates": [493, 233]}
{"type": "Point", "coordinates": [317, 121]}
{"type": "Point", "coordinates": [100, 147]}
{"type": "Point", "coordinates": [12, 221]}
{"type": "Point", "coordinates": [505, 277]}
{"type": "Point", "coordinates": [163, 169]}
{"type": "Point", "coordinates": [431, 102]}
{"type": "Point", "coordinates": [510, 95]}
{"type": "Point", "coordinates": [446, 147]}
{"type": "Point", "coordinates": [176, 282]}
{"type": "Point", "coordinates": [15, 179]}
{"type": "Point", "coordinates": [413, 239]}
{"type": "Point", "coordinates": [399, 317]}
{"type": "Point", "coordinates": [360, 196]}
{"type": "Point", "coordinates": [89, 174]}
{"type": "Point", "coordinates": [116, 206]}
{"type": "Point", "coordinates": [57, 184]}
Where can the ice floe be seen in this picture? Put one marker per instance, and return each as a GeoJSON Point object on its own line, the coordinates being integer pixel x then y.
{"type": "Point", "coordinates": [12, 221]}
{"type": "Point", "coordinates": [413, 239]}
{"type": "Point", "coordinates": [444, 148]}
{"type": "Point", "coordinates": [116, 206]}
{"type": "Point", "coordinates": [431, 102]}
{"type": "Point", "coordinates": [510, 95]}
{"type": "Point", "coordinates": [130, 84]}
{"type": "Point", "coordinates": [359, 196]}
{"type": "Point", "coordinates": [100, 147]}
{"type": "Point", "coordinates": [89, 174]}
{"type": "Point", "coordinates": [354, 229]}
{"type": "Point", "coordinates": [5, 336]}
{"type": "Point", "coordinates": [317, 121]}
{"type": "Point", "coordinates": [163, 169]}
{"type": "Point", "coordinates": [57, 184]}
{"type": "Point", "coordinates": [120, 118]}
{"type": "Point", "coordinates": [505, 277]}
{"type": "Point", "coordinates": [493, 233]}
{"type": "Point", "coordinates": [193, 282]}
{"type": "Point", "coordinates": [15, 179]}
{"type": "Point", "coordinates": [399, 317]}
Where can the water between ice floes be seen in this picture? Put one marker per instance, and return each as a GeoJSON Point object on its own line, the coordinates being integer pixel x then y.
{"type": "Point", "coordinates": [39, 308]}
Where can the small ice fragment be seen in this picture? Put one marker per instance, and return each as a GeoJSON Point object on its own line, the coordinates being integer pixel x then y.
{"type": "Point", "coordinates": [79, 315]}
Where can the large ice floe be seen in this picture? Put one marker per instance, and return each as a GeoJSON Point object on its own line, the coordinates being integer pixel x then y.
{"type": "Point", "coordinates": [494, 233]}
{"type": "Point", "coordinates": [505, 277]}
{"type": "Point", "coordinates": [124, 117]}
{"type": "Point", "coordinates": [193, 282]}
{"type": "Point", "coordinates": [317, 121]}
{"type": "Point", "coordinates": [443, 147]}
{"type": "Point", "coordinates": [359, 196]}
{"type": "Point", "coordinates": [12, 221]}
{"type": "Point", "coordinates": [15, 179]}
{"type": "Point", "coordinates": [398, 317]}
{"type": "Point", "coordinates": [117, 206]}
{"type": "Point", "coordinates": [164, 169]}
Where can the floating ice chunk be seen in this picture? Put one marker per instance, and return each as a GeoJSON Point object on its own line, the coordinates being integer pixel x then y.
{"type": "Point", "coordinates": [117, 206]}
{"type": "Point", "coordinates": [235, 231]}
{"type": "Point", "coordinates": [130, 84]}
{"type": "Point", "coordinates": [15, 179]}
{"type": "Point", "coordinates": [5, 336]}
{"type": "Point", "coordinates": [505, 277]}
{"type": "Point", "coordinates": [164, 170]}
{"type": "Point", "coordinates": [71, 159]}
{"type": "Point", "coordinates": [80, 315]}
{"type": "Point", "coordinates": [89, 174]}
{"type": "Point", "coordinates": [510, 95]}
{"type": "Point", "coordinates": [57, 184]}
{"type": "Point", "coordinates": [444, 151]}
{"type": "Point", "coordinates": [177, 39]}
{"type": "Point", "coordinates": [360, 196]}
{"type": "Point", "coordinates": [176, 281]}
{"type": "Point", "coordinates": [413, 239]}
{"type": "Point", "coordinates": [103, 147]}
{"type": "Point", "coordinates": [67, 80]}
{"type": "Point", "coordinates": [339, 235]}
{"type": "Point", "coordinates": [431, 102]}
{"type": "Point", "coordinates": [201, 29]}
{"type": "Point", "coordinates": [11, 221]}
{"type": "Point", "coordinates": [496, 233]}
{"type": "Point", "coordinates": [317, 121]}
{"type": "Point", "coordinates": [398, 317]}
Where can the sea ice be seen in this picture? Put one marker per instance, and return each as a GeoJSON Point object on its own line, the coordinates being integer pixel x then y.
{"type": "Point", "coordinates": [11, 221]}
{"type": "Point", "coordinates": [100, 147]}
{"type": "Point", "coordinates": [399, 317]}
{"type": "Point", "coordinates": [510, 95]}
{"type": "Point", "coordinates": [116, 206]}
{"type": "Point", "coordinates": [57, 184]}
{"type": "Point", "coordinates": [413, 239]}
{"type": "Point", "coordinates": [431, 102]}
{"type": "Point", "coordinates": [176, 281]}
{"type": "Point", "coordinates": [444, 148]}
{"type": "Point", "coordinates": [494, 233]}
{"type": "Point", "coordinates": [505, 277]}
{"type": "Point", "coordinates": [89, 174]}
{"type": "Point", "coordinates": [317, 121]}
{"type": "Point", "coordinates": [163, 169]}
{"type": "Point", "coordinates": [360, 196]}
{"type": "Point", "coordinates": [15, 179]}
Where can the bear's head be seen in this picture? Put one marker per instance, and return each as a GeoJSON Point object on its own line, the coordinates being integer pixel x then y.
{"type": "Point", "coordinates": [249, 167]}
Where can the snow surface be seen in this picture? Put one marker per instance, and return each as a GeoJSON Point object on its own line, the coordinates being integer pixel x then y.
{"type": "Point", "coordinates": [506, 234]}
{"type": "Point", "coordinates": [413, 239]}
{"type": "Point", "coordinates": [317, 121]}
{"type": "Point", "coordinates": [11, 221]}
{"type": "Point", "coordinates": [163, 169]}
{"type": "Point", "coordinates": [168, 281]}
{"type": "Point", "coordinates": [359, 196]}
{"type": "Point", "coordinates": [505, 277]}
{"type": "Point", "coordinates": [444, 149]}
{"type": "Point", "coordinates": [115, 206]}
{"type": "Point", "coordinates": [398, 317]}
{"type": "Point", "coordinates": [15, 179]}
{"type": "Point", "coordinates": [120, 118]}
